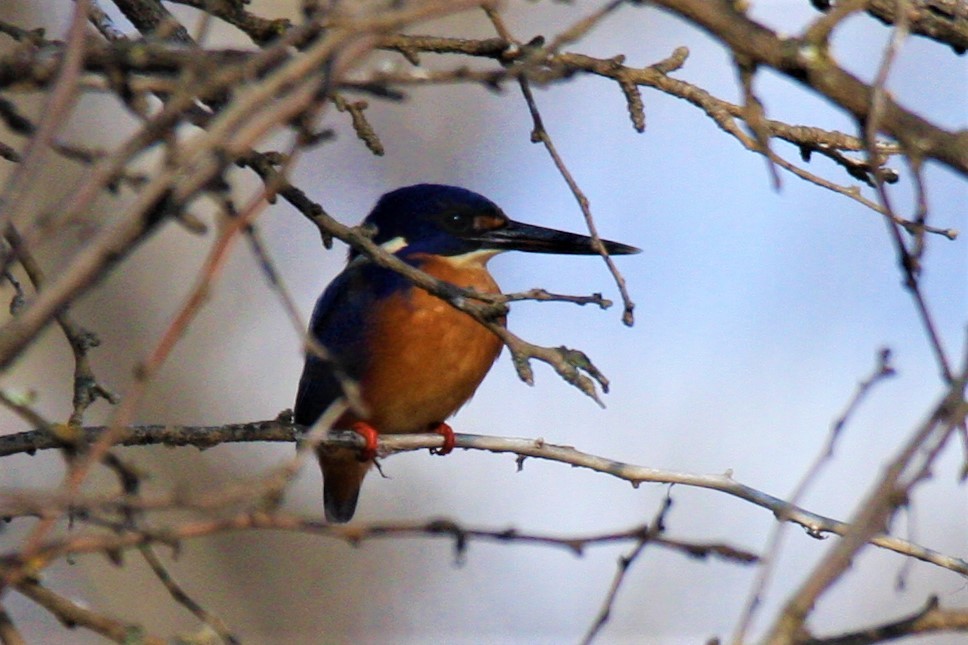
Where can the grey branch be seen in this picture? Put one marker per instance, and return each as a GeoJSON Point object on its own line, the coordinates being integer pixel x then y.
{"type": "Point", "coordinates": [202, 437]}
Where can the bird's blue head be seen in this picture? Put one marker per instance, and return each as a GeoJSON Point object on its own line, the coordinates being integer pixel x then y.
{"type": "Point", "coordinates": [450, 221]}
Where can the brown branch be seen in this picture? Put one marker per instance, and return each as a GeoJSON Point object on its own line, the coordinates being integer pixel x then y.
{"type": "Point", "coordinates": [99, 542]}
{"type": "Point", "coordinates": [150, 16]}
{"type": "Point", "coordinates": [73, 615]}
{"type": "Point", "coordinates": [87, 389]}
{"type": "Point", "coordinates": [159, 59]}
{"type": "Point", "coordinates": [261, 30]}
{"type": "Point", "coordinates": [153, 58]}
{"type": "Point", "coordinates": [540, 134]}
{"type": "Point", "coordinates": [944, 21]}
{"type": "Point", "coordinates": [873, 513]}
{"type": "Point", "coordinates": [169, 189]}
{"type": "Point", "coordinates": [562, 66]}
{"type": "Point", "coordinates": [807, 63]}
{"type": "Point", "coordinates": [9, 634]}
{"type": "Point", "coordinates": [624, 564]}
{"type": "Point", "coordinates": [201, 437]}
{"type": "Point", "coordinates": [882, 370]}
{"type": "Point", "coordinates": [286, 93]}
{"type": "Point", "coordinates": [361, 125]}
{"type": "Point", "coordinates": [58, 103]}
{"type": "Point", "coordinates": [104, 23]}
{"type": "Point", "coordinates": [540, 295]}
{"type": "Point", "coordinates": [907, 260]}
{"type": "Point", "coordinates": [181, 596]}
{"type": "Point", "coordinates": [929, 620]}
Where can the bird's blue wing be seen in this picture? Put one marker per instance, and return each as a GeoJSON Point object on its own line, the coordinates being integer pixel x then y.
{"type": "Point", "coordinates": [340, 324]}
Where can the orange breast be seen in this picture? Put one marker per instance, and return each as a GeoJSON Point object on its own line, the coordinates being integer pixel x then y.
{"type": "Point", "coordinates": [427, 357]}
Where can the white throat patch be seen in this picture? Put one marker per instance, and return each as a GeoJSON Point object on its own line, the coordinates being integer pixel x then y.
{"type": "Point", "coordinates": [394, 245]}
{"type": "Point", "coordinates": [478, 258]}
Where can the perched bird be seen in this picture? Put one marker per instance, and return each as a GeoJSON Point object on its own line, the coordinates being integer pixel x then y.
{"type": "Point", "coordinates": [415, 358]}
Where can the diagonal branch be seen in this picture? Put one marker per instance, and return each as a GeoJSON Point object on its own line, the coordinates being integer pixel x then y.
{"type": "Point", "coordinates": [910, 466]}
{"type": "Point", "coordinates": [808, 63]}
{"type": "Point", "coordinates": [73, 614]}
{"type": "Point", "coordinates": [932, 618]}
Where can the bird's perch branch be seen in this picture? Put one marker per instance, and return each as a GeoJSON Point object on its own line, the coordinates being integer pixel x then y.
{"type": "Point", "coordinates": [208, 436]}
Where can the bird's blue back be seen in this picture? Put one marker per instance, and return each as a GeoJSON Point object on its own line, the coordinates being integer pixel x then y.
{"type": "Point", "coordinates": [340, 322]}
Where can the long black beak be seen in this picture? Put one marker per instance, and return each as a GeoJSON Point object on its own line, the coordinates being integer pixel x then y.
{"type": "Point", "coordinates": [537, 239]}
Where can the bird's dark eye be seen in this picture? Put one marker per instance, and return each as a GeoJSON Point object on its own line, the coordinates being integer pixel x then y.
{"type": "Point", "coordinates": [459, 222]}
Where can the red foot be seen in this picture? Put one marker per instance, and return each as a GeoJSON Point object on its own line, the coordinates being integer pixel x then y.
{"type": "Point", "coordinates": [447, 433]}
{"type": "Point", "coordinates": [370, 435]}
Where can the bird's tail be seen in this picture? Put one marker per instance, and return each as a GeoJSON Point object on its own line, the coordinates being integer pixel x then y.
{"type": "Point", "coordinates": [343, 476]}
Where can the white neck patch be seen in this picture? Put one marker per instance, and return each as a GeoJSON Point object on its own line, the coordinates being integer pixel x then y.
{"type": "Point", "coordinates": [394, 245]}
{"type": "Point", "coordinates": [478, 258]}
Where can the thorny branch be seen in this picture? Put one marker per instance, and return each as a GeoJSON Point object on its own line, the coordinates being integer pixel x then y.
{"type": "Point", "coordinates": [251, 520]}
{"type": "Point", "coordinates": [281, 430]}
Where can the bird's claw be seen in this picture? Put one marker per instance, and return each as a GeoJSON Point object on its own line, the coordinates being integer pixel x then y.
{"type": "Point", "coordinates": [450, 441]}
{"type": "Point", "coordinates": [370, 436]}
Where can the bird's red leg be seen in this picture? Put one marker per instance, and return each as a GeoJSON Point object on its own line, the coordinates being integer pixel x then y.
{"type": "Point", "coordinates": [370, 435]}
{"type": "Point", "coordinates": [447, 433]}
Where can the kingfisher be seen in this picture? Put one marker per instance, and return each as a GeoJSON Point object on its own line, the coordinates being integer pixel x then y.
{"type": "Point", "coordinates": [415, 358]}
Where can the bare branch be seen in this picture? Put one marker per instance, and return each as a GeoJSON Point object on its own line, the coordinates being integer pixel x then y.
{"type": "Point", "coordinates": [875, 511]}
{"type": "Point", "coordinates": [279, 430]}
{"type": "Point", "coordinates": [945, 21]}
{"type": "Point", "coordinates": [73, 615]}
{"type": "Point", "coordinates": [256, 520]}
{"type": "Point", "coordinates": [182, 598]}
{"type": "Point", "coordinates": [929, 620]}
{"type": "Point", "coordinates": [882, 370]}
{"type": "Point", "coordinates": [9, 634]}
{"type": "Point", "coordinates": [804, 63]}
{"type": "Point", "coordinates": [624, 564]}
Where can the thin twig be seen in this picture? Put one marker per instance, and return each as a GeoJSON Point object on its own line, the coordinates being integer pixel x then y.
{"type": "Point", "coordinates": [73, 615]}
{"type": "Point", "coordinates": [58, 104]}
{"type": "Point", "coordinates": [87, 389]}
{"type": "Point", "coordinates": [910, 466]}
{"type": "Point", "coordinates": [908, 261]}
{"type": "Point", "coordinates": [771, 551]}
{"type": "Point", "coordinates": [98, 542]}
{"type": "Point", "coordinates": [540, 134]}
{"type": "Point", "coordinates": [656, 528]}
{"type": "Point", "coordinates": [95, 453]}
{"type": "Point", "coordinates": [931, 619]}
{"type": "Point", "coordinates": [9, 634]}
{"type": "Point", "coordinates": [182, 598]}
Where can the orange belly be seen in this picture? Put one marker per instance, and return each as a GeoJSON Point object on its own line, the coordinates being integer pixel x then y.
{"type": "Point", "coordinates": [427, 357]}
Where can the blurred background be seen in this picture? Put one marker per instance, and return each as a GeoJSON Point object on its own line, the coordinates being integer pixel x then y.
{"type": "Point", "coordinates": [758, 311]}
